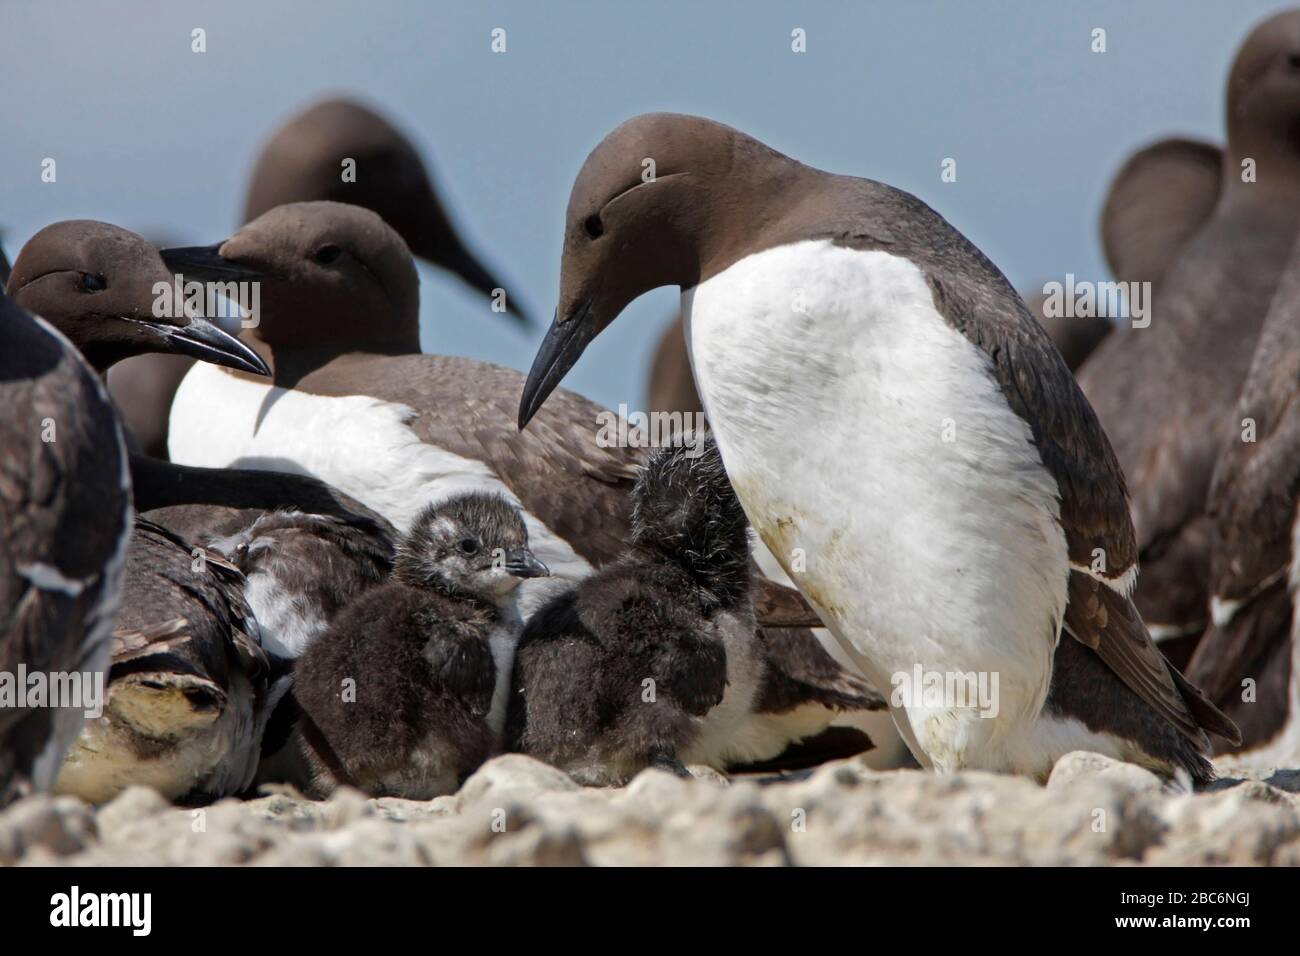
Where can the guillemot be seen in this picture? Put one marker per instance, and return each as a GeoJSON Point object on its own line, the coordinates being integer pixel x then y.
{"type": "Point", "coordinates": [654, 660]}
{"type": "Point", "coordinates": [1247, 660]}
{"type": "Point", "coordinates": [306, 159]}
{"type": "Point", "coordinates": [188, 694]}
{"type": "Point", "coordinates": [355, 403]}
{"type": "Point", "coordinates": [405, 693]}
{"type": "Point", "coordinates": [65, 517]}
{"type": "Point", "coordinates": [903, 436]}
{"type": "Point", "coordinates": [1186, 370]}
{"type": "Point", "coordinates": [94, 281]}
{"type": "Point", "coordinates": [98, 283]}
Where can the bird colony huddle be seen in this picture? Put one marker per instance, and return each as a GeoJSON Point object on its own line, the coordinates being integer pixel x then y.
{"type": "Point", "coordinates": [372, 567]}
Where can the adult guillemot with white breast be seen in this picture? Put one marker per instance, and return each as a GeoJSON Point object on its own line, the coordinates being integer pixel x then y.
{"type": "Point", "coordinates": [903, 436]}
{"type": "Point", "coordinates": [355, 403]}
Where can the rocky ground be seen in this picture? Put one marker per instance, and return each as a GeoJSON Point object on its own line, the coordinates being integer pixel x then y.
{"type": "Point", "coordinates": [516, 811]}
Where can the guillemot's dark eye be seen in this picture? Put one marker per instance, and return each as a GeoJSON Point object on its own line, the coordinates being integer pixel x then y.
{"type": "Point", "coordinates": [327, 254]}
{"type": "Point", "coordinates": [468, 545]}
{"type": "Point", "coordinates": [1293, 61]}
{"type": "Point", "coordinates": [593, 226]}
{"type": "Point", "coordinates": [93, 283]}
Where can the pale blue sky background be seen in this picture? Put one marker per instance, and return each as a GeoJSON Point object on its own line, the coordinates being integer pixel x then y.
{"type": "Point", "coordinates": [151, 136]}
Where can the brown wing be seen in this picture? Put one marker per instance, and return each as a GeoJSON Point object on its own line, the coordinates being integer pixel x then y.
{"type": "Point", "coordinates": [800, 671]}
{"type": "Point", "coordinates": [1075, 337]}
{"type": "Point", "coordinates": [182, 615]}
{"type": "Point", "coordinates": [1252, 511]}
{"type": "Point", "coordinates": [1108, 622]}
{"type": "Point", "coordinates": [776, 605]}
{"type": "Point", "coordinates": [1254, 490]}
{"type": "Point", "coordinates": [64, 507]}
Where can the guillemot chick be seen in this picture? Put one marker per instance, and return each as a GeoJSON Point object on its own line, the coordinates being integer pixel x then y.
{"type": "Point", "coordinates": [404, 695]}
{"type": "Point", "coordinates": [654, 660]}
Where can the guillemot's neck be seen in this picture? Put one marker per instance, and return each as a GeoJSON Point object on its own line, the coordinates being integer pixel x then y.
{"type": "Point", "coordinates": [751, 213]}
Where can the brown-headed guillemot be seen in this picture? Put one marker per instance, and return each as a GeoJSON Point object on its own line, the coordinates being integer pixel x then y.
{"type": "Point", "coordinates": [902, 434]}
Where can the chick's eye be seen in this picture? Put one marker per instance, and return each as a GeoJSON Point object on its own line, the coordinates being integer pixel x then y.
{"type": "Point", "coordinates": [593, 226]}
{"type": "Point", "coordinates": [92, 283]}
{"type": "Point", "coordinates": [327, 254]}
{"type": "Point", "coordinates": [468, 545]}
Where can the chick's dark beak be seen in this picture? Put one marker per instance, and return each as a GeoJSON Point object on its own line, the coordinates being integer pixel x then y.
{"type": "Point", "coordinates": [522, 563]}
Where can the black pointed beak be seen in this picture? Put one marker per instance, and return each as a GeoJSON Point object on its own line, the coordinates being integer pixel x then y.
{"type": "Point", "coordinates": [205, 264]}
{"type": "Point", "coordinates": [522, 563]}
{"type": "Point", "coordinates": [564, 344]}
{"type": "Point", "coordinates": [207, 343]}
